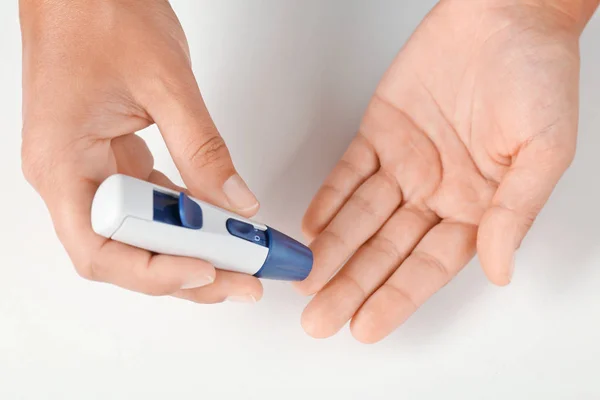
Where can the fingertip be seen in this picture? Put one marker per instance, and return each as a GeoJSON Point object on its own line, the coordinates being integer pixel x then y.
{"type": "Point", "coordinates": [204, 276]}
{"type": "Point", "coordinates": [364, 339]}
{"type": "Point", "coordinates": [247, 299]}
{"type": "Point", "coordinates": [501, 282]}
{"type": "Point", "coordinates": [231, 286]}
{"type": "Point", "coordinates": [305, 287]}
{"type": "Point", "coordinates": [496, 273]}
{"type": "Point", "coordinates": [313, 325]}
{"type": "Point", "coordinates": [496, 246]}
{"type": "Point", "coordinates": [194, 297]}
{"type": "Point", "coordinates": [238, 284]}
{"type": "Point", "coordinates": [384, 311]}
{"type": "Point", "coordinates": [497, 276]}
{"type": "Point", "coordinates": [248, 212]}
{"type": "Point", "coordinates": [327, 313]}
{"type": "Point", "coordinates": [253, 286]}
{"type": "Point", "coordinates": [364, 330]}
{"type": "Point", "coordinates": [257, 291]}
{"type": "Point", "coordinates": [239, 196]}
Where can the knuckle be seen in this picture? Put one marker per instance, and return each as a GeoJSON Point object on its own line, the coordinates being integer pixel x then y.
{"type": "Point", "coordinates": [432, 263]}
{"type": "Point", "coordinates": [400, 295]}
{"type": "Point", "coordinates": [90, 267]}
{"type": "Point", "coordinates": [389, 181]}
{"type": "Point", "coordinates": [362, 204]}
{"type": "Point", "coordinates": [210, 153]}
{"type": "Point", "coordinates": [557, 150]}
{"type": "Point", "coordinates": [149, 281]}
{"type": "Point", "coordinates": [41, 153]}
{"type": "Point", "coordinates": [569, 156]}
{"type": "Point", "coordinates": [31, 161]}
{"type": "Point", "coordinates": [350, 168]}
{"type": "Point", "coordinates": [367, 206]}
{"type": "Point", "coordinates": [351, 282]}
{"type": "Point", "coordinates": [333, 188]}
{"type": "Point", "coordinates": [87, 271]}
{"type": "Point", "coordinates": [172, 81]}
{"type": "Point", "coordinates": [334, 239]}
{"type": "Point", "coordinates": [529, 219]}
{"type": "Point", "coordinates": [563, 154]}
{"type": "Point", "coordinates": [385, 246]}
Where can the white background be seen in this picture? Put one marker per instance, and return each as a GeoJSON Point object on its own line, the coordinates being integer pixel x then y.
{"type": "Point", "coordinates": [287, 82]}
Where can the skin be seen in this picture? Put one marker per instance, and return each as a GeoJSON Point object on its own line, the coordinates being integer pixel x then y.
{"type": "Point", "coordinates": [462, 144]}
{"type": "Point", "coordinates": [94, 73]}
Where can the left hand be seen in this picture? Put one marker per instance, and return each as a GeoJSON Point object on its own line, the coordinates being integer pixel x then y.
{"type": "Point", "coordinates": [462, 144]}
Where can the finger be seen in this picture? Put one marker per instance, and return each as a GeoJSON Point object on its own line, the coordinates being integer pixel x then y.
{"type": "Point", "coordinates": [133, 156]}
{"type": "Point", "coordinates": [96, 258]}
{"type": "Point", "coordinates": [160, 179]}
{"type": "Point", "coordinates": [520, 196]}
{"type": "Point", "coordinates": [357, 164]}
{"type": "Point", "coordinates": [362, 215]}
{"type": "Point", "coordinates": [196, 146]}
{"type": "Point", "coordinates": [229, 286]}
{"type": "Point", "coordinates": [367, 270]}
{"type": "Point", "coordinates": [442, 253]}
{"type": "Point", "coordinates": [154, 274]}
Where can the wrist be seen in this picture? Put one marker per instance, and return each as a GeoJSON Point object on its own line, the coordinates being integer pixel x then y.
{"type": "Point", "coordinates": [578, 11]}
{"type": "Point", "coordinates": [573, 14]}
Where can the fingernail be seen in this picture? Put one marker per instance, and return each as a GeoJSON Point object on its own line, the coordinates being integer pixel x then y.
{"type": "Point", "coordinates": [238, 194]}
{"type": "Point", "coordinates": [198, 282]}
{"type": "Point", "coordinates": [242, 299]}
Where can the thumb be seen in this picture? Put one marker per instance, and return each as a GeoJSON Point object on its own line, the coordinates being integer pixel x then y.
{"type": "Point", "coordinates": [521, 195]}
{"type": "Point", "coordinates": [197, 148]}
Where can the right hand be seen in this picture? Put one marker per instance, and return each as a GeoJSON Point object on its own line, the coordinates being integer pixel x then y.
{"type": "Point", "coordinates": [95, 72]}
{"type": "Point", "coordinates": [461, 146]}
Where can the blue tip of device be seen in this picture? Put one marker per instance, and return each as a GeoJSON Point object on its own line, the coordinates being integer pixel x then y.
{"type": "Point", "coordinates": [288, 259]}
{"type": "Point", "coordinates": [189, 212]}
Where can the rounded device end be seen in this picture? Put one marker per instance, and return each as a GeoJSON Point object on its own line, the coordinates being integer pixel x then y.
{"type": "Point", "coordinates": [288, 259]}
{"type": "Point", "coordinates": [108, 206]}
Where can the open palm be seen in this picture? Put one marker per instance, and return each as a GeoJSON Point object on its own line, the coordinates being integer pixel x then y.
{"type": "Point", "coordinates": [462, 144]}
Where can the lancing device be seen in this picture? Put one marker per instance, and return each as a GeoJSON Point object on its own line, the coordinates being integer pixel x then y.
{"type": "Point", "coordinates": [164, 221]}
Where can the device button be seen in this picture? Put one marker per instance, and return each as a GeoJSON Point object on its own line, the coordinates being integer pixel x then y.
{"type": "Point", "coordinates": [190, 212]}
{"type": "Point", "coordinates": [246, 231]}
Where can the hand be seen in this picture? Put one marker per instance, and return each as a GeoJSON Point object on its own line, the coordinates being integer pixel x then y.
{"type": "Point", "coordinates": [95, 72]}
{"type": "Point", "coordinates": [462, 144]}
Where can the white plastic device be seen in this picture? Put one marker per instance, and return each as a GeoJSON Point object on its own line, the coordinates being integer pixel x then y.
{"type": "Point", "coordinates": [141, 214]}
